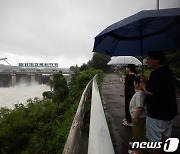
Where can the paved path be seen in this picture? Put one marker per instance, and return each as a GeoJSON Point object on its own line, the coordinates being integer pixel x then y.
{"type": "Point", "coordinates": [113, 98]}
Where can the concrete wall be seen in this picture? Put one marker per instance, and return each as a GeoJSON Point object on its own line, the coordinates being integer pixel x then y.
{"type": "Point", "coordinates": [93, 140]}
{"type": "Point", "coordinates": [75, 143]}
{"type": "Point", "coordinates": [99, 137]}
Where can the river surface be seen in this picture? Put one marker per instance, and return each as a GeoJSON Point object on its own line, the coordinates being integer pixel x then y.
{"type": "Point", "coordinates": [19, 94]}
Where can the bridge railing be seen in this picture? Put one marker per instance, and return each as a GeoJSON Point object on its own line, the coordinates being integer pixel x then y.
{"type": "Point", "coordinates": [99, 136]}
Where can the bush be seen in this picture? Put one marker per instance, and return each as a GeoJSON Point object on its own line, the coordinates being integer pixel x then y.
{"type": "Point", "coordinates": [47, 95]}
{"type": "Point", "coordinates": [85, 76]}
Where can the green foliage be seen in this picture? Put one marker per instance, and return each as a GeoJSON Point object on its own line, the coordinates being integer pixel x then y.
{"type": "Point", "coordinates": [60, 87]}
{"type": "Point", "coordinates": [38, 127]}
{"type": "Point", "coordinates": [147, 72]}
{"type": "Point", "coordinates": [14, 130]}
{"type": "Point", "coordinates": [173, 60]}
{"type": "Point", "coordinates": [85, 76]}
{"type": "Point", "coordinates": [47, 95]}
{"type": "Point", "coordinates": [85, 67]}
{"type": "Point", "coordinates": [99, 61]}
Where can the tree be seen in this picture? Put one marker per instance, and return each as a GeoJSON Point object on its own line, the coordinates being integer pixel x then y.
{"type": "Point", "coordinates": [47, 95]}
{"type": "Point", "coordinates": [84, 67]}
{"type": "Point", "coordinates": [74, 68]}
{"type": "Point", "coordinates": [60, 87]}
{"type": "Point", "coordinates": [99, 61]}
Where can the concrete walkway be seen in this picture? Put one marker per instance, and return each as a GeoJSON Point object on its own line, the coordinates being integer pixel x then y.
{"type": "Point", "coordinates": [113, 98]}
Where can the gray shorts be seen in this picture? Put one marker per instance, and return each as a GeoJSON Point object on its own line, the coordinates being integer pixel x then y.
{"type": "Point", "coordinates": [157, 129]}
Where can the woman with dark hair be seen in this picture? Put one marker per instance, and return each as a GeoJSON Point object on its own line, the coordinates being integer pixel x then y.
{"type": "Point", "coordinates": [129, 92]}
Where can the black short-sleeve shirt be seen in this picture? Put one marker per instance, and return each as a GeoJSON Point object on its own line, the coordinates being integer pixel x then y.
{"type": "Point", "coordinates": [129, 86]}
{"type": "Point", "coordinates": [162, 104]}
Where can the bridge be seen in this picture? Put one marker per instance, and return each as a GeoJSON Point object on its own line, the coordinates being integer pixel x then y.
{"type": "Point", "coordinates": [12, 75]}
{"type": "Point", "coordinates": [95, 137]}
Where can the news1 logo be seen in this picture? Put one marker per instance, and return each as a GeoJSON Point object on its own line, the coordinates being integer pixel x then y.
{"type": "Point", "coordinates": [170, 145]}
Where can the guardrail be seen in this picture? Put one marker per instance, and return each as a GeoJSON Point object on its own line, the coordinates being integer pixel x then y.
{"type": "Point", "coordinates": [99, 136]}
{"type": "Point", "coordinates": [72, 144]}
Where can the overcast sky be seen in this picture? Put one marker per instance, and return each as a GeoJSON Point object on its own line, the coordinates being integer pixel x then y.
{"type": "Point", "coordinates": [61, 31]}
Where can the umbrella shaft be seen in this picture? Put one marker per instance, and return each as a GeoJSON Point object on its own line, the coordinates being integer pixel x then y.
{"type": "Point", "coordinates": [157, 4]}
{"type": "Point", "coordinates": [141, 46]}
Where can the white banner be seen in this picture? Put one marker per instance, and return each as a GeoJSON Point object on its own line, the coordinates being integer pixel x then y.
{"type": "Point", "coordinates": [38, 64]}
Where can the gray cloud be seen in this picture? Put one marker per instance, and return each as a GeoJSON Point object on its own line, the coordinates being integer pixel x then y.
{"type": "Point", "coordinates": [61, 31]}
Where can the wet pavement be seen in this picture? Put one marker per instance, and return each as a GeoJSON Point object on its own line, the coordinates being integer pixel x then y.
{"type": "Point", "coordinates": [113, 97]}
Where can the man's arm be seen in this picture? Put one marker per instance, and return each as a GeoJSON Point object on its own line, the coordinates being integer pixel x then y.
{"type": "Point", "coordinates": [143, 83]}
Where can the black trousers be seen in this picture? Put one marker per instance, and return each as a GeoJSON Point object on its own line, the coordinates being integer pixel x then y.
{"type": "Point", "coordinates": [128, 96]}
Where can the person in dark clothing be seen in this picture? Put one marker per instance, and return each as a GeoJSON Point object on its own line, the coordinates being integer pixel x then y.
{"type": "Point", "coordinates": [129, 92]}
{"type": "Point", "coordinates": [160, 99]}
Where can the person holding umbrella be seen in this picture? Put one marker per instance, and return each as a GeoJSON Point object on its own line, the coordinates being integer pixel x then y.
{"type": "Point", "coordinates": [129, 92]}
{"type": "Point", "coordinates": [136, 35]}
{"type": "Point", "coordinates": [160, 99]}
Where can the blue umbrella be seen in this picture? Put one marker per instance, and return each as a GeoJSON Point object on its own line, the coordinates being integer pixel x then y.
{"type": "Point", "coordinates": [142, 32]}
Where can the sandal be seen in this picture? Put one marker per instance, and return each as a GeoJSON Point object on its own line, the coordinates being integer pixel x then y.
{"type": "Point", "coordinates": [125, 123]}
{"type": "Point", "coordinates": [131, 152]}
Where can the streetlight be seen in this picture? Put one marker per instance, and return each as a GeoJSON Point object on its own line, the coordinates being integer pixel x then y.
{"type": "Point", "coordinates": [5, 60]}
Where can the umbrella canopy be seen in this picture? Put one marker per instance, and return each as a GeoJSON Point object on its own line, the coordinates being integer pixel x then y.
{"type": "Point", "coordinates": [142, 32]}
{"type": "Point", "coordinates": [124, 60]}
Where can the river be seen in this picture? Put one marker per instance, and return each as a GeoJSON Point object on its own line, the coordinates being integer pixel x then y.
{"type": "Point", "coordinates": [19, 94]}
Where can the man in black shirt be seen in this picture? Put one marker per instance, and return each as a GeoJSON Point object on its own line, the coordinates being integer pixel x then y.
{"type": "Point", "coordinates": [160, 99]}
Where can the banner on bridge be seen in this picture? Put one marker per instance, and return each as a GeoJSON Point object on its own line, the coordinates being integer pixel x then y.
{"type": "Point", "coordinates": [38, 64]}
